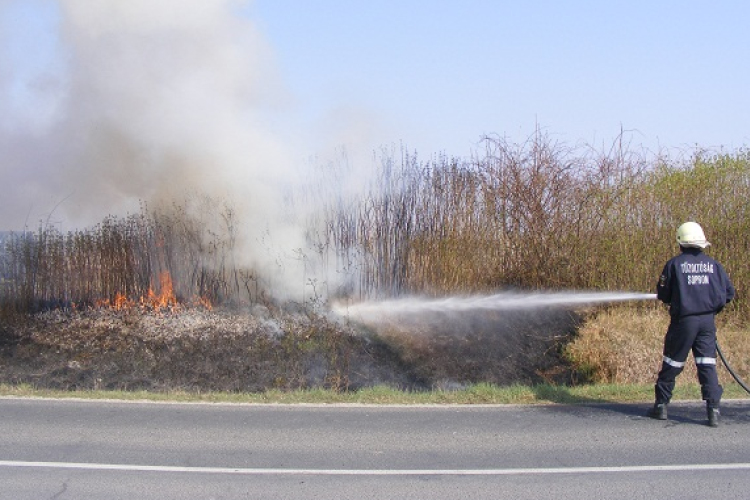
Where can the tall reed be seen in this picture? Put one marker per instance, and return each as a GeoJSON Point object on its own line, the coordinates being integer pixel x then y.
{"type": "Point", "coordinates": [532, 215]}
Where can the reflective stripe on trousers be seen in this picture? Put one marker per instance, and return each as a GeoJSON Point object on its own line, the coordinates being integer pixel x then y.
{"type": "Point", "coordinates": [705, 361]}
{"type": "Point", "coordinates": [676, 364]}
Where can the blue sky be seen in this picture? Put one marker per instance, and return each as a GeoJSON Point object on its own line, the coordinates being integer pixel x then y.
{"type": "Point", "coordinates": [104, 104]}
{"type": "Point", "coordinates": [438, 75]}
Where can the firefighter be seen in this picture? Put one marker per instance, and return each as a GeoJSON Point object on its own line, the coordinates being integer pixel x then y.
{"type": "Point", "coordinates": [696, 288]}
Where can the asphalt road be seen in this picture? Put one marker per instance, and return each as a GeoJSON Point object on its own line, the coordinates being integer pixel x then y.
{"type": "Point", "coordinates": [51, 449]}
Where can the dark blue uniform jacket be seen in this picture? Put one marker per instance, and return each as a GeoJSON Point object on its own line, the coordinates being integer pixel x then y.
{"type": "Point", "coordinates": [694, 283]}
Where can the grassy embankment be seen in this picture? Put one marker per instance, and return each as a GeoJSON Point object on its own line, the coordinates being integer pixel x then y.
{"type": "Point", "coordinates": [535, 216]}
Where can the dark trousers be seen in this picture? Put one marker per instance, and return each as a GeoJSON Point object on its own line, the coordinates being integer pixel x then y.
{"type": "Point", "coordinates": [690, 333]}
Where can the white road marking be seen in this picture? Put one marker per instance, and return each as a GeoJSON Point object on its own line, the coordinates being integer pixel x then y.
{"type": "Point", "coordinates": [373, 472]}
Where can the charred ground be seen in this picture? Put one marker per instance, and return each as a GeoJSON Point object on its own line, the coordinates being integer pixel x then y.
{"type": "Point", "coordinates": [196, 349]}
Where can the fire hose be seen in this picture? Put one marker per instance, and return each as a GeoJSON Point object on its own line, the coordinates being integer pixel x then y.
{"type": "Point", "coordinates": [731, 371]}
{"type": "Point", "coordinates": [729, 368]}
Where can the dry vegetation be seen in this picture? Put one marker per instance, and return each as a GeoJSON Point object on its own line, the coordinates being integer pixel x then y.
{"type": "Point", "coordinates": [623, 345]}
{"type": "Point", "coordinates": [128, 303]}
{"type": "Point", "coordinates": [540, 216]}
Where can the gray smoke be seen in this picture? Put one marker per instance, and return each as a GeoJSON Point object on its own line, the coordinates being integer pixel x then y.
{"type": "Point", "coordinates": [124, 102]}
{"type": "Point", "coordinates": [151, 99]}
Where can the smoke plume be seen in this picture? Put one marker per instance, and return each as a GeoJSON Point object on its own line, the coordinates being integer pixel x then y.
{"type": "Point", "coordinates": [140, 101]}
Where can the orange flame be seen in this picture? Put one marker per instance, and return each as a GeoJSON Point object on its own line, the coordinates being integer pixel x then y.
{"type": "Point", "coordinates": [121, 302]}
{"type": "Point", "coordinates": [204, 302]}
{"type": "Point", "coordinates": [165, 299]}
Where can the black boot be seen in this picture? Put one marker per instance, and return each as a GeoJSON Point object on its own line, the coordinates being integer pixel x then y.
{"type": "Point", "coordinates": [659, 411]}
{"type": "Point", "coordinates": [713, 416]}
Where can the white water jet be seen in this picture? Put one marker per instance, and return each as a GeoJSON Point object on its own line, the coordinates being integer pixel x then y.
{"type": "Point", "coordinates": [506, 301]}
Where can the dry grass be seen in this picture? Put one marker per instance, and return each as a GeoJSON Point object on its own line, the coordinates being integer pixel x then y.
{"type": "Point", "coordinates": [623, 345]}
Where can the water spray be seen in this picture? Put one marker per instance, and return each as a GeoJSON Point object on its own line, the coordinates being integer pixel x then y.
{"type": "Point", "coordinates": [505, 301]}
{"type": "Point", "coordinates": [375, 310]}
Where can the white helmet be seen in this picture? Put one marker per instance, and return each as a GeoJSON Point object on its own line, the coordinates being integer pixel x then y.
{"type": "Point", "coordinates": [690, 234]}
